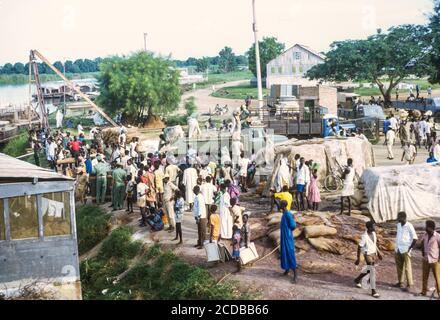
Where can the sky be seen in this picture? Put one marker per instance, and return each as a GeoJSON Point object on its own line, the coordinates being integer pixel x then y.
{"type": "Point", "coordinates": [72, 29]}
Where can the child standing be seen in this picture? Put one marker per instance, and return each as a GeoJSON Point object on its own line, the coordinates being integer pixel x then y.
{"type": "Point", "coordinates": [236, 239]}
{"type": "Point", "coordinates": [179, 205]}
{"type": "Point", "coordinates": [214, 223]}
{"type": "Point", "coordinates": [314, 195]}
{"type": "Point", "coordinates": [130, 191]}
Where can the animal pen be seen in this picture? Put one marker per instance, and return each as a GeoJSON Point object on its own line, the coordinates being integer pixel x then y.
{"type": "Point", "coordinates": [38, 240]}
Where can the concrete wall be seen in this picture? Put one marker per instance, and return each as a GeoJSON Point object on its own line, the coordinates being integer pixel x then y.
{"type": "Point", "coordinates": [328, 97]}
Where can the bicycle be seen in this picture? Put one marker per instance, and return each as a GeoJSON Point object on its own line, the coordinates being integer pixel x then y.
{"type": "Point", "coordinates": [333, 182]}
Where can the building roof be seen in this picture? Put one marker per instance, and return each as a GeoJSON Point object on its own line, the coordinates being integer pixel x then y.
{"type": "Point", "coordinates": [14, 170]}
{"type": "Point", "coordinates": [319, 55]}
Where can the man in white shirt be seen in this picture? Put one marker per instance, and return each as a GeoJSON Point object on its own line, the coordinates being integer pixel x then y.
{"type": "Point", "coordinates": [168, 200]}
{"type": "Point", "coordinates": [208, 190]}
{"type": "Point", "coordinates": [409, 153]}
{"type": "Point", "coordinates": [302, 179]}
{"type": "Point", "coordinates": [406, 239]}
{"type": "Point", "coordinates": [390, 136]}
{"type": "Point", "coordinates": [243, 164]}
{"type": "Point", "coordinates": [51, 153]}
{"type": "Point", "coordinates": [199, 213]}
{"type": "Point", "coordinates": [394, 124]}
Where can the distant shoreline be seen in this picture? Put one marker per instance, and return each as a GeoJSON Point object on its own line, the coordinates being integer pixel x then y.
{"type": "Point", "coordinates": [20, 79]}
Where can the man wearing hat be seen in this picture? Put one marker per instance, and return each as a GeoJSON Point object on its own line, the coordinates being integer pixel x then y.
{"type": "Point", "coordinates": [119, 175]}
{"type": "Point", "coordinates": [168, 200]}
{"type": "Point", "coordinates": [100, 170]}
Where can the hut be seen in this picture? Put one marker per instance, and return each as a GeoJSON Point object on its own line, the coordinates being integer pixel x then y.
{"type": "Point", "coordinates": [38, 240]}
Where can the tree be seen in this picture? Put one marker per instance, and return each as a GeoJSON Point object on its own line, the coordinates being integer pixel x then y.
{"type": "Point", "coordinates": [18, 68]}
{"type": "Point", "coordinates": [202, 64]}
{"type": "Point", "coordinates": [227, 61]}
{"type": "Point", "coordinates": [270, 48]}
{"type": "Point", "coordinates": [434, 39]}
{"type": "Point", "coordinates": [59, 66]}
{"type": "Point", "coordinates": [381, 57]}
{"type": "Point", "coordinates": [138, 84]}
{"type": "Point", "coordinates": [8, 69]}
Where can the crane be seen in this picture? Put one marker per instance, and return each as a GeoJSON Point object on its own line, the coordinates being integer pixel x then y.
{"type": "Point", "coordinates": [35, 53]}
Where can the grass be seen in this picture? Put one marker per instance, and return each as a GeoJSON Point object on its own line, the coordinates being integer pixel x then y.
{"type": "Point", "coordinates": [423, 83]}
{"type": "Point", "coordinates": [17, 146]}
{"type": "Point", "coordinates": [157, 275]}
{"type": "Point", "coordinates": [92, 226]}
{"type": "Point", "coordinates": [17, 79]}
{"type": "Point", "coordinates": [217, 78]}
{"type": "Point", "coordinates": [238, 92]}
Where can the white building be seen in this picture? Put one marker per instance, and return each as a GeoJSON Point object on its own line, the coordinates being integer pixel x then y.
{"type": "Point", "coordinates": [291, 66]}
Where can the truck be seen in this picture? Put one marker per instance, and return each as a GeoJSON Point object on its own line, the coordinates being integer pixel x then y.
{"type": "Point", "coordinates": [423, 105]}
{"type": "Point", "coordinates": [373, 111]}
{"type": "Point", "coordinates": [253, 139]}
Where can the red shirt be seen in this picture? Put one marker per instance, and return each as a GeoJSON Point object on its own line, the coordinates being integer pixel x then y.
{"type": "Point", "coordinates": [75, 145]}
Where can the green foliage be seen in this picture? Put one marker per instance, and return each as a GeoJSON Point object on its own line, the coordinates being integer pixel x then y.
{"type": "Point", "coordinates": [190, 106]}
{"type": "Point", "coordinates": [16, 79]}
{"type": "Point", "coordinates": [137, 84]}
{"type": "Point", "coordinates": [177, 120]}
{"type": "Point", "coordinates": [383, 55]}
{"type": "Point", "coordinates": [91, 225]}
{"type": "Point", "coordinates": [434, 40]}
{"type": "Point", "coordinates": [227, 60]}
{"type": "Point", "coordinates": [119, 245]}
{"type": "Point", "coordinates": [158, 275]}
{"type": "Point", "coordinates": [17, 146]}
{"type": "Point", "coordinates": [114, 257]}
{"type": "Point", "coordinates": [202, 64]}
{"type": "Point", "coordinates": [270, 48]}
{"type": "Point", "coordinates": [238, 92]}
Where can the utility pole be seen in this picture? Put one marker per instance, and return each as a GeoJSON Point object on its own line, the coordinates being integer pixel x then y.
{"type": "Point", "coordinates": [257, 60]}
{"type": "Point", "coordinates": [145, 41]}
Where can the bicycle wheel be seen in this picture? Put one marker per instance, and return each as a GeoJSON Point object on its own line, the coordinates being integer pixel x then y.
{"type": "Point", "coordinates": [332, 183]}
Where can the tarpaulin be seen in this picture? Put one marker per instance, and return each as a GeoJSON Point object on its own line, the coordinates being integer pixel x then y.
{"type": "Point", "coordinates": [414, 189]}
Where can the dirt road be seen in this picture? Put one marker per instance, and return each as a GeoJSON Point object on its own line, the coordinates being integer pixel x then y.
{"type": "Point", "coordinates": [206, 103]}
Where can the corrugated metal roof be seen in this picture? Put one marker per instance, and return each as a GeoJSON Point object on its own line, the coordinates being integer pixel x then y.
{"type": "Point", "coordinates": [14, 169]}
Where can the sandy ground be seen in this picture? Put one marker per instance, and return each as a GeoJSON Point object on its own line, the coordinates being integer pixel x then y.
{"type": "Point", "coordinates": [265, 276]}
{"type": "Point", "coordinates": [206, 103]}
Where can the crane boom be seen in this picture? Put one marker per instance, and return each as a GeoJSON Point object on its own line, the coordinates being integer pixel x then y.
{"type": "Point", "coordinates": [73, 87]}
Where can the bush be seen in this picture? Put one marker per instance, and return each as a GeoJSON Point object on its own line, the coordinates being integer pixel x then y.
{"type": "Point", "coordinates": [190, 106]}
{"type": "Point", "coordinates": [176, 121]}
{"type": "Point", "coordinates": [17, 146]}
{"type": "Point", "coordinates": [163, 275]}
{"type": "Point", "coordinates": [119, 245]}
{"type": "Point", "coordinates": [91, 225]}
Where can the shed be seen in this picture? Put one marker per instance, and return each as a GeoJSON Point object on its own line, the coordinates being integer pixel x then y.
{"type": "Point", "coordinates": [38, 240]}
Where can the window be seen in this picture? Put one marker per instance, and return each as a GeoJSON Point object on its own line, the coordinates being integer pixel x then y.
{"type": "Point", "coordinates": [297, 55]}
{"type": "Point", "coordinates": [301, 69]}
{"type": "Point", "coordinates": [293, 69]}
{"type": "Point", "coordinates": [280, 70]}
{"type": "Point", "coordinates": [56, 213]}
{"type": "Point", "coordinates": [272, 70]}
{"type": "Point", "coordinates": [2, 222]}
{"type": "Point", "coordinates": [23, 217]}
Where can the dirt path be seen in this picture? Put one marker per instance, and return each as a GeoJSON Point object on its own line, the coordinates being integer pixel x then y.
{"type": "Point", "coordinates": [206, 103]}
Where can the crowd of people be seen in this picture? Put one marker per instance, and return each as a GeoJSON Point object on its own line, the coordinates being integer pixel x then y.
{"type": "Point", "coordinates": [163, 186]}
{"type": "Point", "coordinates": [414, 133]}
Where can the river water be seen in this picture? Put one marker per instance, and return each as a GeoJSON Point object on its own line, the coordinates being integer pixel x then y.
{"type": "Point", "coordinates": [18, 95]}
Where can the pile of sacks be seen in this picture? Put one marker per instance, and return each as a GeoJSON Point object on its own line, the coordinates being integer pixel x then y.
{"type": "Point", "coordinates": [326, 232]}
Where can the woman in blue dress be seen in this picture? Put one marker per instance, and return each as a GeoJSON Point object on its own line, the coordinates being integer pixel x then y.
{"type": "Point", "coordinates": [287, 242]}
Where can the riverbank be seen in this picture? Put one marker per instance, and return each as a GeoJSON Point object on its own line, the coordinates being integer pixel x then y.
{"type": "Point", "coordinates": [17, 79]}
